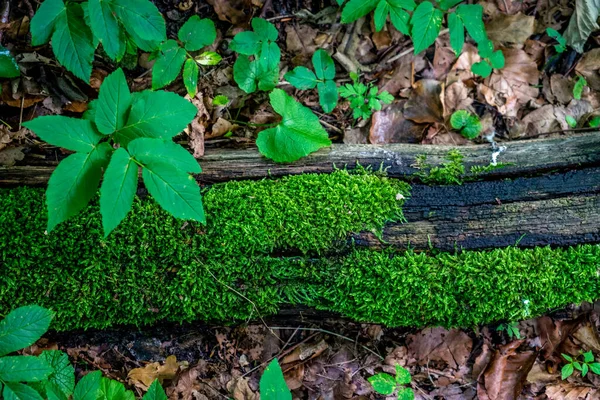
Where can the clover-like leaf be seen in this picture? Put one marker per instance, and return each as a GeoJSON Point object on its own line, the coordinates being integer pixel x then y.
{"type": "Point", "coordinates": [472, 129]}
{"type": "Point", "coordinates": [406, 394]}
{"type": "Point", "coordinates": [402, 375]}
{"type": "Point", "coordinates": [426, 22]}
{"type": "Point", "coordinates": [383, 383]}
{"type": "Point", "coordinates": [458, 120]}
{"type": "Point", "coordinates": [265, 30]}
{"type": "Point", "coordinates": [247, 43]}
{"type": "Point", "coordinates": [197, 33]}
{"type": "Point", "coordinates": [297, 135]}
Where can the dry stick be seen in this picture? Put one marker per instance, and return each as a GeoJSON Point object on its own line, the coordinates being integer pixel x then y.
{"type": "Point", "coordinates": [410, 49]}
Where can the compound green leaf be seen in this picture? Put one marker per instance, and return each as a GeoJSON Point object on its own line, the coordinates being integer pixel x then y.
{"type": "Point", "coordinates": [247, 43]}
{"type": "Point", "coordinates": [152, 151]}
{"type": "Point", "coordinates": [88, 388]}
{"type": "Point", "coordinates": [497, 59]}
{"type": "Point", "coordinates": [197, 33]}
{"type": "Point", "coordinates": [43, 22]}
{"type": "Point", "coordinates": [578, 88]}
{"type": "Point", "coordinates": [380, 16]}
{"type": "Point", "coordinates": [19, 391]}
{"type": "Point", "coordinates": [146, 45]}
{"type": "Point", "coordinates": [53, 392]}
{"type": "Point", "coordinates": [588, 357]}
{"type": "Point", "coordinates": [472, 16]}
{"type": "Point", "coordinates": [265, 30]}
{"type": "Point", "coordinates": [168, 65]}
{"type": "Point", "coordinates": [409, 5]}
{"type": "Point", "coordinates": [22, 327]}
{"type": "Point", "coordinates": [400, 19]}
{"type": "Point", "coordinates": [157, 114]}
{"type": "Point", "coordinates": [385, 97]}
{"type": "Point", "coordinates": [383, 383]}
{"type": "Point", "coordinates": [74, 182]}
{"type": "Point", "coordinates": [175, 190]}
{"type": "Point", "coordinates": [220, 100]}
{"type": "Point", "coordinates": [482, 69]}
{"type": "Point", "coordinates": [114, 390]}
{"type": "Point", "coordinates": [141, 19]}
{"type": "Point", "coordinates": [566, 371]}
{"type": "Point", "coordinates": [402, 375]}
{"type": "Point", "coordinates": [426, 22]}
{"type": "Point", "coordinates": [245, 73]}
{"type": "Point", "coordinates": [457, 33]}
{"type": "Point", "coordinates": [297, 135]}
{"type": "Point", "coordinates": [24, 369]}
{"type": "Point", "coordinates": [486, 48]}
{"type": "Point", "coordinates": [406, 394]}
{"type": "Point", "coordinates": [155, 392]}
{"type": "Point", "coordinates": [63, 375]}
{"type": "Point", "coordinates": [324, 66]}
{"type": "Point", "coordinates": [328, 95]}
{"type": "Point", "coordinates": [106, 28]}
{"type": "Point", "coordinates": [595, 367]}
{"type": "Point", "coordinates": [190, 77]}
{"type": "Point", "coordinates": [448, 4]}
{"type": "Point", "coordinates": [66, 132]}
{"type": "Point", "coordinates": [72, 42]}
{"type": "Point", "coordinates": [302, 78]}
{"type": "Point", "coordinates": [459, 119]}
{"type": "Point", "coordinates": [272, 383]}
{"type": "Point", "coordinates": [270, 56]}
{"type": "Point", "coordinates": [356, 9]}
{"type": "Point", "coordinates": [8, 65]}
{"type": "Point", "coordinates": [114, 101]}
{"type": "Point", "coordinates": [118, 189]}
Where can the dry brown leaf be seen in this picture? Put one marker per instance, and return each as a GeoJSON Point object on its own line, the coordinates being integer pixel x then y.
{"type": "Point", "coordinates": [219, 128]}
{"type": "Point", "coordinates": [305, 352]}
{"type": "Point", "coordinates": [425, 104]}
{"type": "Point", "coordinates": [562, 88]}
{"type": "Point", "coordinates": [572, 391]}
{"type": "Point", "coordinates": [515, 28]}
{"type": "Point", "coordinates": [438, 344]}
{"type": "Point", "coordinates": [76, 106]}
{"type": "Point", "coordinates": [544, 119]}
{"type": "Point", "coordinates": [231, 10]}
{"type": "Point", "coordinates": [240, 390]}
{"type": "Point", "coordinates": [587, 334]}
{"type": "Point", "coordinates": [381, 40]}
{"type": "Point", "coordinates": [589, 67]}
{"type": "Point", "coordinates": [390, 126]}
{"type": "Point", "coordinates": [356, 135]}
{"type": "Point", "coordinates": [552, 334]}
{"type": "Point", "coordinates": [402, 75]}
{"type": "Point", "coordinates": [456, 97]}
{"type": "Point", "coordinates": [461, 70]}
{"type": "Point", "coordinates": [509, 6]}
{"type": "Point", "coordinates": [197, 128]}
{"type": "Point", "coordinates": [300, 40]}
{"type": "Point", "coordinates": [143, 377]}
{"type": "Point", "coordinates": [506, 373]}
{"type": "Point", "coordinates": [9, 156]}
{"type": "Point", "coordinates": [442, 61]}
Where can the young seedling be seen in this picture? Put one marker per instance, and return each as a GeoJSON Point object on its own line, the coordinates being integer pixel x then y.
{"type": "Point", "coordinates": [323, 79]}
{"type": "Point", "coordinates": [511, 329]}
{"type": "Point", "coordinates": [562, 42]}
{"type": "Point", "coordinates": [195, 34]}
{"type": "Point", "coordinates": [585, 365]}
{"type": "Point", "coordinates": [143, 125]}
{"type": "Point", "coordinates": [594, 122]}
{"type": "Point", "coordinates": [272, 383]}
{"type": "Point", "coordinates": [491, 59]}
{"type": "Point", "coordinates": [396, 9]}
{"type": "Point", "coordinates": [578, 88]}
{"type": "Point", "coordinates": [8, 65]}
{"type": "Point", "coordinates": [258, 63]}
{"type": "Point", "coordinates": [386, 384]}
{"type": "Point", "coordinates": [220, 100]}
{"type": "Point", "coordinates": [572, 122]}
{"type": "Point", "coordinates": [364, 99]}
{"type": "Point", "coordinates": [467, 123]}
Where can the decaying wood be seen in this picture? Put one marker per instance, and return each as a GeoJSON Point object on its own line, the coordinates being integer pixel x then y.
{"type": "Point", "coordinates": [525, 157]}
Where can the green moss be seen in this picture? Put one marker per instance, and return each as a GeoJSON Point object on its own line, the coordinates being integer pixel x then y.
{"type": "Point", "coordinates": [155, 268]}
{"type": "Point", "coordinates": [449, 173]}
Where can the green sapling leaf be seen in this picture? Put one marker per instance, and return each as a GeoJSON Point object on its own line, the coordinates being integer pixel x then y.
{"type": "Point", "coordinates": [208, 58]}
{"type": "Point", "coordinates": [482, 68]}
{"type": "Point", "coordinates": [19, 391]}
{"type": "Point", "coordinates": [24, 369]}
{"type": "Point", "coordinates": [399, 17]}
{"type": "Point", "coordinates": [190, 77]}
{"type": "Point", "coordinates": [168, 64]}
{"type": "Point", "coordinates": [22, 327]}
{"type": "Point", "coordinates": [220, 100]}
{"type": "Point", "coordinates": [88, 388]}
{"type": "Point", "coordinates": [572, 122]}
{"type": "Point", "coordinates": [197, 33]}
{"type": "Point", "coordinates": [380, 16]}
{"type": "Point", "coordinates": [562, 43]}
{"type": "Point", "coordinates": [457, 33]}
{"type": "Point", "coordinates": [426, 22]}
{"type": "Point", "coordinates": [356, 9]}
{"type": "Point", "coordinates": [472, 128]}
{"type": "Point", "coordinates": [155, 392]}
{"type": "Point", "coordinates": [595, 122]}
{"type": "Point", "coordinates": [302, 78]}
{"type": "Point", "coordinates": [578, 88]}
{"type": "Point", "coordinates": [459, 119]}
{"type": "Point", "coordinates": [113, 103]}
{"type": "Point", "coordinates": [43, 22]}
{"type": "Point", "coordinates": [402, 375]}
{"type": "Point", "coordinates": [66, 132]}
{"type": "Point", "coordinates": [497, 59]}
{"type": "Point", "coordinates": [247, 43]}
{"type": "Point", "coordinates": [383, 383]}
{"type": "Point", "coordinates": [588, 357]}
{"type": "Point", "coordinates": [105, 28]}
{"type": "Point", "coordinates": [324, 65]}
{"type": "Point", "coordinates": [144, 21]}
{"type": "Point", "coordinates": [406, 394]}
{"type": "Point", "coordinates": [566, 371]}
{"type": "Point", "coordinates": [265, 30]}
{"type": "Point", "coordinates": [245, 73]}
{"type": "Point", "coordinates": [328, 95]}
{"type": "Point", "coordinates": [63, 374]}
{"type": "Point", "coordinates": [472, 16]}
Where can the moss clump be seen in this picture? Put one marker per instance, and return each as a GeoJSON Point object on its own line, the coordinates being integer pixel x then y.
{"type": "Point", "coordinates": [449, 173]}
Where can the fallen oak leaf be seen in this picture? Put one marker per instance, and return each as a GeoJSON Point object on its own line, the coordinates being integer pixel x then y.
{"type": "Point", "coordinates": [143, 377]}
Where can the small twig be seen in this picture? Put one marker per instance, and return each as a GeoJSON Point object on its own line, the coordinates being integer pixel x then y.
{"type": "Point", "coordinates": [21, 113]}
{"type": "Point", "coordinates": [410, 49]}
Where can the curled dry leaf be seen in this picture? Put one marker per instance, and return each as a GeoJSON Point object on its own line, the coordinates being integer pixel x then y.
{"type": "Point", "coordinates": [515, 28]}
{"type": "Point", "coordinates": [240, 390]}
{"type": "Point", "coordinates": [506, 373]}
{"type": "Point", "coordinates": [143, 377]}
{"type": "Point", "coordinates": [562, 88]}
{"type": "Point", "coordinates": [197, 128]}
{"type": "Point", "coordinates": [456, 97]}
{"type": "Point", "coordinates": [402, 76]}
{"type": "Point", "coordinates": [425, 103]}
{"type": "Point", "coordinates": [231, 10]}
{"type": "Point", "coordinates": [589, 68]}
{"type": "Point", "coordinates": [440, 345]}
{"type": "Point", "coordinates": [461, 70]}
{"type": "Point", "coordinates": [390, 126]}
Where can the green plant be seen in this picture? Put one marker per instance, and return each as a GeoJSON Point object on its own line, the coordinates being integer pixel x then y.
{"type": "Point", "coordinates": [594, 122]}
{"type": "Point", "coordinates": [491, 59]}
{"type": "Point", "coordinates": [297, 135]}
{"type": "Point", "coordinates": [194, 34]}
{"type": "Point", "coordinates": [220, 100]}
{"type": "Point", "coordinates": [467, 123]}
{"type": "Point", "coordinates": [572, 122]}
{"type": "Point", "coordinates": [142, 124]}
{"type": "Point", "coordinates": [578, 88]}
{"type": "Point", "coordinates": [396, 9]}
{"type": "Point", "coordinates": [8, 65]}
{"type": "Point", "coordinates": [584, 365]}
{"type": "Point", "coordinates": [562, 42]}
{"type": "Point", "coordinates": [272, 383]}
{"type": "Point", "coordinates": [387, 384]}
{"type": "Point", "coordinates": [75, 30]}
{"type": "Point", "coordinates": [511, 329]}
{"type": "Point", "coordinates": [323, 79]}
{"type": "Point", "coordinates": [364, 99]}
{"type": "Point", "coordinates": [448, 173]}
{"type": "Point", "coordinates": [478, 169]}
{"type": "Point", "coordinates": [263, 70]}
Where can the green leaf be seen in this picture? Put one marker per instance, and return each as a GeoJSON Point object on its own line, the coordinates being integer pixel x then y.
{"type": "Point", "coordinates": [197, 33]}
{"type": "Point", "coordinates": [114, 390]}
{"type": "Point", "coordinates": [142, 19]}
{"type": "Point", "coordinates": [380, 15]}
{"type": "Point", "coordinates": [19, 391]}
{"type": "Point", "coordinates": [146, 45]}
{"type": "Point", "coordinates": [577, 365]}
{"type": "Point", "coordinates": [268, 66]}
{"type": "Point", "coordinates": [53, 392]}
{"type": "Point", "coordinates": [578, 88]}
{"type": "Point", "coordinates": [448, 4]}
{"type": "Point", "coordinates": [118, 189]}
{"type": "Point", "coordinates": [247, 43]}
{"type": "Point", "coordinates": [245, 73]}
{"type": "Point", "coordinates": [409, 5]}
{"type": "Point", "coordinates": [72, 42]}
{"type": "Point", "coordinates": [588, 357]}
{"type": "Point", "coordinates": [66, 132]}
{"type": "Point", "coordinates": [151, 151]}
{"type": "Point", "coordinates": [472, 128]}
{"type": "Point", "coordinates": [24, 369]}
{"type": "Point", "coordinates": [385, 97]}
{"type": "Point", "coordinates": [299, 133]}
{"type": "Point", "coordinates": [175, 190]}
{"type": "Point", "coordinates": [472, 16]}
{"type": "Point", "coordinates": [426, 22]}
{"type": "Point", "coordinates": [459, 119]}
{"type": "Point", "coordinates": [328, 95]}
{"type": "Point", "coordinates": [497, 59]}
{"type": "Point", "coordinates": [595, 367]}
{"type": "Point", "coordinates": [190, 77]}
{"type": "Point", "coordinates": [400, 19]}
{"type": "Point", "coordinates": [114, 101]}
{"type": "Point", "coordinates": [595, 122]}
{"type": "Point", "coordinates": [583, 22]}
{"type": "Point", "coordinates": [74, 182]}
{"type": "Point", "coordinates": [584, 370]}
{"type": "Point", "coordinates": [486, 48]}
{"type": "Point", "coordinates": [155, 392]}
{"type": "Point", "coordinates": [566, 371]}
{"type": "Point", "coordinates": [88, 387]}
{"type": "Point", "coordinates": [402, 375]}
{"type": "Point", "coordinates": [43, 22]}
{"type": "Point", "coordinates": [356, 9]}
{"type": "Point", "coordinates": [457, 33]}
{"type": "Point", "coordinates": [265, 30]}
{"type": "Point", "coordinates": [63, 375]}
{"type": "Point", "coordinates": [272, 383]}
{"type": "Point", "coordinates": [383, 383]}
{"type": "Point", "coordinates": [572, 122]}
{"type": "Point", "coordinates": [8, 65]}
{"type": "Point", "coordinates": [567, 357]}
{"type": "Point", "coordinates": [168, 65]}
{"type": "Point", "coordinates": [156, 114]}
{"type": "Point", "coordinates": [324, 66]}
{"type": "Point", "coordinates": [220, 100]}
{"type": "Point", "coordinates": [208, 58]}
{"type": "Point", "coordinates": [406, 394]}
{"type": "Point", "coordinates": [22, 327]}
{"type": "Point", "coordinates": [105, 27]}
{"type": "Point", "coordinates": [302, 78]}
{"type": "Point", "coordinates": [562, 42]}
{"type": "Point", "coordinates": [482, 69]}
